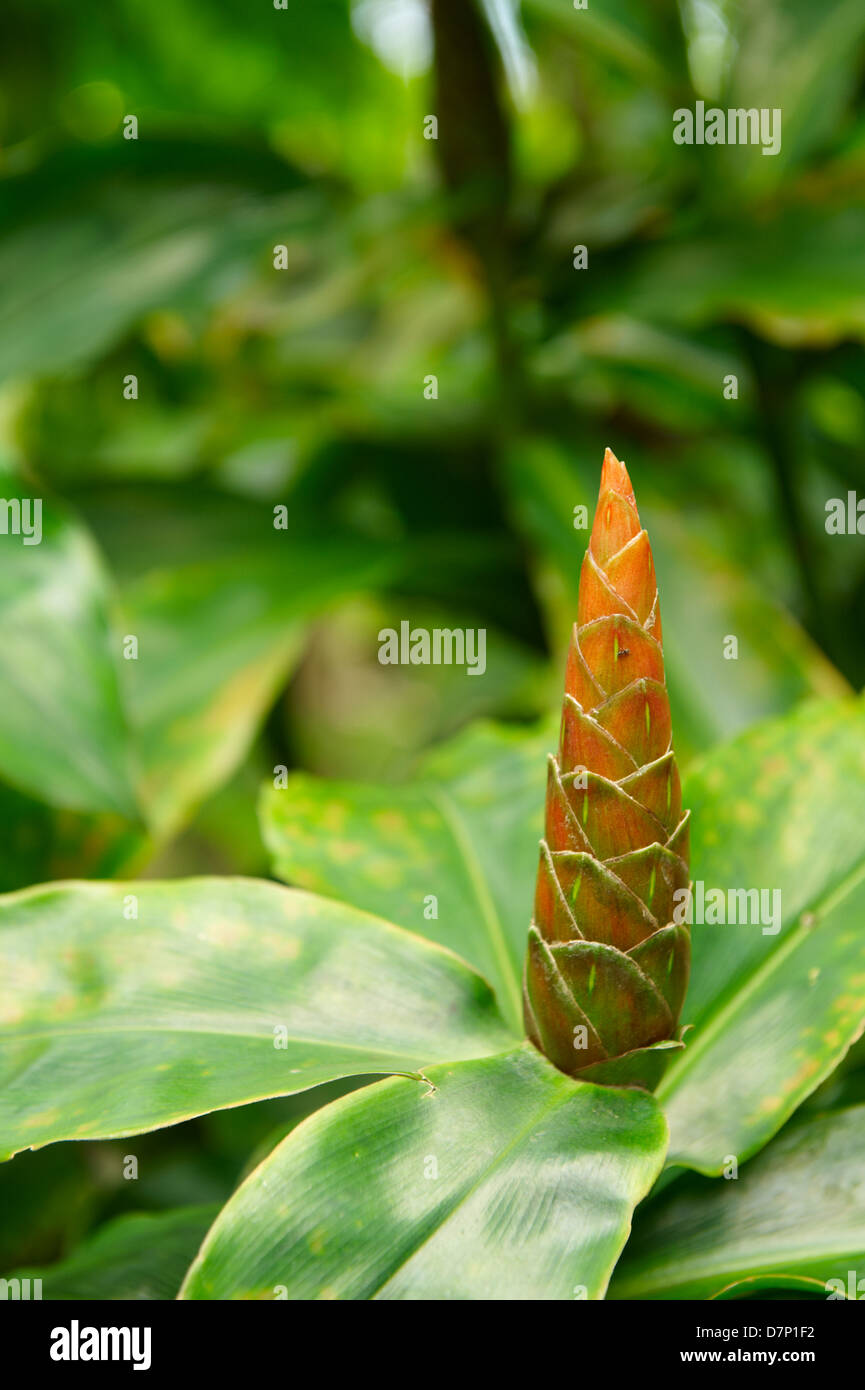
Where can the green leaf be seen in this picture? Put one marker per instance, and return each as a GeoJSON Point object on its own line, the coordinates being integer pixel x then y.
{"type": "Point", "coordinates": [795, 277]}
{"type": "Point", "coordinates": [507, 1181]}
{"type": "Point", "coordinates": [112, 1025]}
{"type": "Point", "coordinates": [464, 834]}
{"type": "Point", "coordinates": [798, 1209]}
{"type": "Point", "coordinates": [669, 378]}
{"type": "Point", "coordinates": [782, 809]}
{"type": "Point", "coordinates": [142, 1256]}
{"type": "Point", "coordinates": [217, 640]}
{"type": "Point", "coordinates": [139, 233]}
{"type": "Point", "coordinates": [703, 598]}
{"type": "Point", "coordinates": [62, 733]}
{"type": "Point", "coordinates": [630, 36]}
{"type": "Point", "coordinates": [809, 60]}
{"type": "Point", "coordinates": [44, 842]}
{"type": "Point", "coordinates": [351, 717]}
{"type": "Point", "coordinates": [773, 1013]}
{"type": "Point", "coordinates": [219, 600]}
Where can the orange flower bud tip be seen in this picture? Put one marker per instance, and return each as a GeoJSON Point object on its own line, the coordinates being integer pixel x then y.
{"type": "Point", "coordinates": [614, 477]}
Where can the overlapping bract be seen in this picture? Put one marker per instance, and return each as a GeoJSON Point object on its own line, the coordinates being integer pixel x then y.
{"type": "Point", "coordinates": [607, 964]}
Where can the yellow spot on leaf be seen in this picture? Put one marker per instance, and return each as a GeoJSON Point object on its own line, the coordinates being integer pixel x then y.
{"type": "Point", "coordinates": [42, 1118]}
{"type": "Point", "coordinates": [343, 851]}
{"type": "Point", "coordinates": [769, 1104]}
{"type": "Point", "coordinates": [392, 822]}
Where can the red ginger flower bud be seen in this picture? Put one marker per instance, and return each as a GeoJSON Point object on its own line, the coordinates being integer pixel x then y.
{"type": "Point", "coordinates": [607, 961]}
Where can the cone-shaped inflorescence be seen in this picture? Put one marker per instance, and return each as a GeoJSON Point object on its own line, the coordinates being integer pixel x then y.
{"type": "Point", "coordinates": [607, 961]}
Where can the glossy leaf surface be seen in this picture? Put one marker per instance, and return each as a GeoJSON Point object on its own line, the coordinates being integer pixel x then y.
{"type": "Point", "coordinates": [508, 1181]}
{"type": "Point", "coordinates": [219, 992]}
{"type": "Point", "coordinates": [775, 1001]}
{"type": "Point", "coordinates": [798, 1209]}
{"type": "Point", "coordinates": [464, 834]}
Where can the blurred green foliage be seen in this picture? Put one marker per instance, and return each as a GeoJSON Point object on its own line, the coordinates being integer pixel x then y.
{"type": "Point", "coordinates": [304, 388]}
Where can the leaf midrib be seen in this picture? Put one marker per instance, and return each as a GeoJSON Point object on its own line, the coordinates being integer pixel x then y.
{"type": "Point", "coordinates": [199, 1032]}
{"type": "Point", "coordinates": [463, 1197]}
